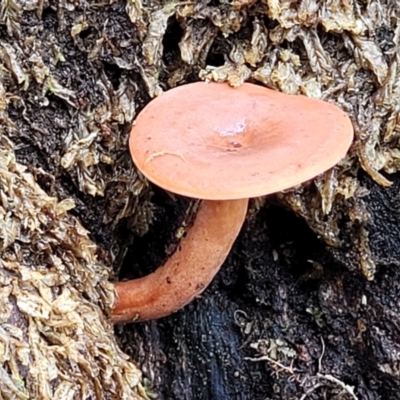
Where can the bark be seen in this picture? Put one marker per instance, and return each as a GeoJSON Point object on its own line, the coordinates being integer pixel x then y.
{"type": "Point", "coordinates": [283, 285]}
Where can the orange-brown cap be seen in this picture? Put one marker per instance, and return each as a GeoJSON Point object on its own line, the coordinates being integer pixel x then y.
{"type": "Point", "coordinates": [212, 141]}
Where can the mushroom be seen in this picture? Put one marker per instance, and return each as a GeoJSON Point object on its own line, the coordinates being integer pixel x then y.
{"type": "Point", "coordinates": [223, 145]}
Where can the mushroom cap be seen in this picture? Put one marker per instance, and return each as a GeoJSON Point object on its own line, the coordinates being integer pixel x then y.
{"type": "Point", "coordinates": [211, 141]}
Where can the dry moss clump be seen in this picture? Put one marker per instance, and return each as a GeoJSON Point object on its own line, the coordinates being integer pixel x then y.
{"type": "Point", "coordinates": [54, 339]}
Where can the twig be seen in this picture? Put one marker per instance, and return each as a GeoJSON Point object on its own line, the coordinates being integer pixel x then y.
{"type": "Point", "coordinates": [309, 391]}
{"type": "Point", "coordinates": [282, 367]}
{"type": "Point", "coordinates": [322, 354]}
{"type": "Point", "coordinates": [349, 389]}
{"type": "Point", "coordinates": [276, 363]}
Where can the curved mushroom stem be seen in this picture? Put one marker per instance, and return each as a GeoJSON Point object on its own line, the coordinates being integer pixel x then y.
{"type": "Point", "coordinates": [189, 270]}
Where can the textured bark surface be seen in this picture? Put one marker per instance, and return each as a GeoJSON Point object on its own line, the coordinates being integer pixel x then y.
{"type": "Point", "coordinates": [281, 282]}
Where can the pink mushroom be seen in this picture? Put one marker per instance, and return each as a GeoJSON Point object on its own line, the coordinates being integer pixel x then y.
{"type": "Point", "coordinates": [223, 145]}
